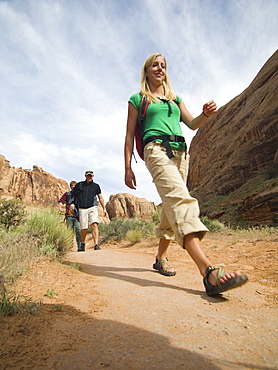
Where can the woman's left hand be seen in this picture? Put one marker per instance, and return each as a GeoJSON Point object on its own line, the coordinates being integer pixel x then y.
{"type": "Point", "coordinates": [210, 108]}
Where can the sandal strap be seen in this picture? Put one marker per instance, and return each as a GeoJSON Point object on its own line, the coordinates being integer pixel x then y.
{"type": "Point", "coordinates": [165, 261]}
{"type": "Point", "coordinates": [220, 273]}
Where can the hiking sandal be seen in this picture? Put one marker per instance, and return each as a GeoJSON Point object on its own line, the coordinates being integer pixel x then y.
{"type": "Point", "coordinates": [232, 283]}
{"type": "Point", "coordinates": [163, 270]}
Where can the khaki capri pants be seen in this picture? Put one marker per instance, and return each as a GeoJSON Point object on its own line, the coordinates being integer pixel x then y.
{"type": "Point", "coordinates": [180, 213]}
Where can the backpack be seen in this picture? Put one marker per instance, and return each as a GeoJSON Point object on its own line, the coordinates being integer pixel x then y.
{"type": "Point", "coordinates": [139, 132]}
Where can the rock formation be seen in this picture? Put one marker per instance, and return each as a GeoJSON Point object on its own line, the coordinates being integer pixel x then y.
{"type": "Point", "coordinates": [35, 186]}
{"type": "Point", "coordinates": [101, 216]}
{"type": "Point", "coordinates": [233, 165]}
{"type": "Point", "coordinates": [38, 187]}
{"type": "Point", "coordinates": [128, 206]}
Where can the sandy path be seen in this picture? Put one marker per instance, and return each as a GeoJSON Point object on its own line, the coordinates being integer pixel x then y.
{"type": "Point", "coordinates": [118, 313]}
{"type": "Point", "coordinates": [152, 321]}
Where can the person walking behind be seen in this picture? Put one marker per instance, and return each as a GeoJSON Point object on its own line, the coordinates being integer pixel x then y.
{"type": "Point", "coordinates": [85, 196]}
{"type": "Point", "coordinates": [71, 213]}
{"type": "Point", "coordinates": [166, 158]}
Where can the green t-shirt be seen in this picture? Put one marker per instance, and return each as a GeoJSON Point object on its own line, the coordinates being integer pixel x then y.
{"type": "Point", "coordinates": [162, 118]}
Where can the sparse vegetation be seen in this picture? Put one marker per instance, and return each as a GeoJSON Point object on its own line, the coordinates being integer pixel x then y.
{"type": "Point", "coordinates": [45, 226]}
{"type": "Point", "coordinates": [58, 307]}
{"type": "Point", "coordinates": [213, 225]}
{"type": "Point", "coordinates": [16, 250]}
{"type": "Point", "coordinates": [134, 236]}
{"type": "Point", "coordinates": [12, 213]}
{"type": "Point", "coordinates": [43, 234]}
{"type": "Point", "coordinates": [251, 234]}
{"type": "Point", "coordinates": [50, 293]}
{"type": "Point", "coordinates": [75, 266]}
{"type": "Point", "coordinates": [12, 303]}
{"type": "Point", "coordinates": [229, 205]}
{"type": "Point", "coordinates": [118, 228]}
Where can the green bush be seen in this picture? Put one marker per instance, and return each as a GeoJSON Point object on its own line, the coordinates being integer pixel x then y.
{"type": "Point", "coordinates": [212, 225]}
{"type": "Point", "coordinates": [118, 228]}
{"type": "Point", "coordinates": [135, 230]}
{"type": "Point", "coordinates": [16, 250]}
{"type": "Point", "coordinates": [54, 238]}
{"type": "Point", "coordinates": [157, 215]}
{"type": "Point", "coordinates": [12, 213]}
{"type": "Point", "coordinates": [43, 234]}
{"type": "Point", "coordinates": [134, 236]}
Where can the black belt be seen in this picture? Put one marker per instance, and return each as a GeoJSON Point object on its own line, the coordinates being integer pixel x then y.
{"type": "Point", "coordinates": [166, 142]}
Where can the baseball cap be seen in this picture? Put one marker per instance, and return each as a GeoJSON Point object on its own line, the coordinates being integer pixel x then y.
{"type": "Point", "coordinates": [89, 173]}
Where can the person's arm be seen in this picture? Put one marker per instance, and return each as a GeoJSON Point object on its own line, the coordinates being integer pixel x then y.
{"type": "Point", "coordinates": [62, 201]}
{"type": "Point", "coordinates": [61, 207]}
{"type": "Point", "coordinates": [209, 109]}
{"type": "Point", "coordinates": [132, 116]}
{"type": "Point", "coordinates": [101, 201]}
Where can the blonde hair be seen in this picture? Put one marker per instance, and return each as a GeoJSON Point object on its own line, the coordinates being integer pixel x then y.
{"type": "Point", "coordinates": [73, 183]}
{"type": "Point", "coordinates": [144, 85]}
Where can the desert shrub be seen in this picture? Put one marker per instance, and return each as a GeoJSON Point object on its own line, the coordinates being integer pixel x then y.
{"type": "Point", "coordinates": [42, 234]}
{"type": "Point", "coordinates": [16, 250]}
{"type": "Point", "coordinates": [134, 236]}
{"type": "Point", "coordinates": [12, 213]}
{"type": "Point", "coordinates": [9, 303]}
{"type": "Point", "coordinates": [259, 232]}
{"type": "Point", "coordinates": [118, 228]}
{"type": "Point", "coordinates": [157, 215]}
{"type": "Point", "coordinates": [54, 238]}
{"type": "Point", "coordinates": [212, 225]}
{"type": "Point", "coordinates": [12, 303]}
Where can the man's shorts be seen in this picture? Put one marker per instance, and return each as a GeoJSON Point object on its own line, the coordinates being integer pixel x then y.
{"type": "Point", "coordinates": [88, 216]}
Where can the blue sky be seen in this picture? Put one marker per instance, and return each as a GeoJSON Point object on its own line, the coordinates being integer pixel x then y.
{"type": "Point", "coordinates": [68, 67]}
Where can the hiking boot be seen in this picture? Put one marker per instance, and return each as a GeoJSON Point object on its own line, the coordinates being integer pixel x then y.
{"type": "Point", "coordinates": [81, 248]}
{"type": "Point", "coordinates": [97, 248]}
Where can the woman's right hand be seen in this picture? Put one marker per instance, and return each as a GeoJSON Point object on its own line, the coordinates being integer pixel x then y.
{"type": "Point", "coordinates": [130, 179]}
{"type": "Point", "coordinates": [132, 116]}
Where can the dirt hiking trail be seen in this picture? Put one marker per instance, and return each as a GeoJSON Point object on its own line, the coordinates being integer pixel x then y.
{"type": "Point", "coordinates": [119, 313]}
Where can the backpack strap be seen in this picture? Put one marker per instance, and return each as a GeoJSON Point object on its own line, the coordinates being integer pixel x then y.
{"type": "Point", "coordinates": [139, 133]}
{"type": "Point", "coordinates": [165, 138]}
{"type": "Point", "coordinates": [143, 110]}
{"type": "Point", "coordinates": [166, 142]}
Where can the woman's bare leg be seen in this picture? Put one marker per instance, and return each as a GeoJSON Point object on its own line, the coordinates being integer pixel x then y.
{"type": "Point", "coordinates": [192, 245]}
{"type": "Point", "coordinates": [163, 248]}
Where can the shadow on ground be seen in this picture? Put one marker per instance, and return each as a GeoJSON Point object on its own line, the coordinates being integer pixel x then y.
{"type": "Point", "coordinates": [71, 339]}
{"type": "Point", "coordinates": [120, 273]}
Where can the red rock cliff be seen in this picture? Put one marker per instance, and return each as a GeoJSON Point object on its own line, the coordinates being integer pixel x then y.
{"type": "Point", "coordinates": [128, 206]}
{"type": "Point", "coordinates": [35, 186]}
{"type": "Point", "coordinates": [234, 155]}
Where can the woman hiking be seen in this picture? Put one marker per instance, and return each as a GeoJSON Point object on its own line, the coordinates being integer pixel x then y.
{"type": "Point", "coordinates": [166, 158]}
